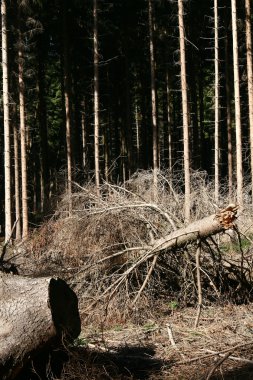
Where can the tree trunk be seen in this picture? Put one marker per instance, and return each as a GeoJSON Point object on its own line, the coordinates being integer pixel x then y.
{"type": "Point", "coordinates": [199, 229]}
{"type": "Point", "coordinates": [238, 128]}
{"type": "Point", "coordinates": [229, 119]}
{"type": "Point", "coordinates": [96, 97]}
{"type": "Point", "coordinates": [22, 137]}
{"type": "Point", "coordinates": [153, 101]}
{"type": "Point", "coordinates": [33, 311]}
{"type": "Point", "coordinates": [185, 111]}
{"type": "Point", "coordinates": [67, 96]}
{"type": "Point", "coordinates": [17, 184]}
{"type": "Point", "coordinates": [7, 145]}
{"type": "Point", "coordinates": [250, 82]}
{"type": "Point", "coordinates": [216, 104]}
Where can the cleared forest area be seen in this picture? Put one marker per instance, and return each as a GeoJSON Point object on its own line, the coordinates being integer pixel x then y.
{"type": "Point", "coordinates": [175, 308]}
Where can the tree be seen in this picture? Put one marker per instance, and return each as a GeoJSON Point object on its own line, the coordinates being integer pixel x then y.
{"type": "Point", "coordinates": [22, 131]}
{"type": "Point", "coordinates": [153, 101]}
{"type": "Point", "coordinates": [216, 103]}
{"type": "Point", "coordinates": [228, 119]}
{"type": "Point", "coordinates": [96, 96]}
{"type": "Point", "coordinates": [238, 128]}
{"type": "Point", "coordinates": [7, 145]}
{"type": "Point", "coordinates": [185, 111]}
{"type": "Point", "coordinates": [17, 182]}
{"type": "Point", "coordinates": [250, 82]}
{"type": "Point", "coordinates": [67, 97]}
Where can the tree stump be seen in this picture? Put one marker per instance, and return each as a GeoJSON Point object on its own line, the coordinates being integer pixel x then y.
{"type": "Point", "coordinates": [33, 313]}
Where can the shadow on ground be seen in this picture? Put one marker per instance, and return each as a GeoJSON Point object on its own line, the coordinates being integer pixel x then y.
{"type": "Point", "coordinates": [135, 363]}
{"type": "Point", "coordinates": [124, 363]}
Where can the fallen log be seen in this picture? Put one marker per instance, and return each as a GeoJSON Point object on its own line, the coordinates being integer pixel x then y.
{"type": "Point", "coordinates": [33, 313]}
{"type": "Point", "coordinates": [200, 229]}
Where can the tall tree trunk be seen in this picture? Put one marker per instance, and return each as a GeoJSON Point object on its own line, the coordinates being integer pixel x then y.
{"type": "Point", "coordinates": [22, 137]}
{"type": "Point", "coordinates": [185, 112]}
{"type": "Point", "coordinates": [67, 90]}
{"type": "Point", "coordinates": [238, 129]}
{"type": "Point", "coordinates": [229, 119]}
{"type": "Point", "coordinates": [96, 97]}
{"type": "Point", "coordinates": [153, 101]}
{"type": "Point", "coordinates": [7, 145]}
{"type": "Point", "coordinates": [42, 116]}
{"type": "Point", "coordinates": [169, 117]}
{"type": "Point", "coordinates": [17, 184]}
{"type": "Point", "coordinates": [250, 83]}
{"type": "Point", "coordinates": [216, 103]}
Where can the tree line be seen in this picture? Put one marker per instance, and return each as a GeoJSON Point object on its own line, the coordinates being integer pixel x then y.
{"type": "Point", "coordinates": [96, 90]}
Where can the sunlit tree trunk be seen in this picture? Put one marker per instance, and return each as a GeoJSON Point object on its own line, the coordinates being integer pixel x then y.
{"type": "Point", "coordinates": [185, 111]}
{"type": "Point", "coordinates": [96, 97]}
{"type": "Point", "coordinates": [250, 82]}
{"type": "Point", "coordinates": [169, 122]}
{"type": "Point", "coordinates": [17, 184]}
{"type": "Point", "coordinates": [229, 120]}
{"type": "Point", "coordinates": [153, 101]}
{"type": "Point", "coordinates": [239, 172]}
{"type": "Point", "coordinates": [216, 103]}
{"type": "Point", "coordinates": [7, 145]}
{"type": "Point", "coordinates": [67, 90]}
{"type": "Point", "coordinates": [24, 197]}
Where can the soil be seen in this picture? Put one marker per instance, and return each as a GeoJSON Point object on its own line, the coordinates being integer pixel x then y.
{"type": "Point", "coordinates": [169, 348]}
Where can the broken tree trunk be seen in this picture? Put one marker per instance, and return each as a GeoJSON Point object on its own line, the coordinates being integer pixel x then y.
{"type": "Point", "coordinates": [33, 313]}
{"type": "Point", "coordinates": [200, 229]}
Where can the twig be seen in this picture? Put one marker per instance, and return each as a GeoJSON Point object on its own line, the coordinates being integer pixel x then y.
{"type": "Point", "coordinates": [8, 240]}
{"type": "Point", "coordinates": [236, 358]}
{"type": "Point", "coordinates": [211, 282]}
{"type": "Point", "coordinates": [136, 205]}
{"type": "Point", "coordinates": [231, 349]}
{"type": "Point", "coordinates": [200, 299]}
{"type": "Point", "coordinates": [172, 341]}
{"type": "Point", "coordinates": [152, 266]}
{"type": "Point", "coordinates": [225, 357]}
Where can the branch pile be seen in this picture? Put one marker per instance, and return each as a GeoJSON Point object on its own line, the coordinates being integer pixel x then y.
{"type": "Point", "coordinates": [122, 247]}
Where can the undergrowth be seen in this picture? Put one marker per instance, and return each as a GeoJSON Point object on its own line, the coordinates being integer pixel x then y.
{"type": "Point", "coordinates": [100, 248]}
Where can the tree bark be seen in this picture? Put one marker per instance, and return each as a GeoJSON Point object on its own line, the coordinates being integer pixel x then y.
{"type": "Point", "coordinates": [185, 111]}
{"type": "Point", "coordinates": [238, 127]}
{"type": "Point", "coordinates": [96, 97]}
{"type": "Point", "coordinates": [153, 101]}
{"type": "Point", "coordinates": [7, 145]}
{"type": "Point", "coordinates": [33, 313]}
{"type": "Point", "coordinates": [216, 104]}
{"type": "Point", "coordinates": [200, 229]}
{"type": "Point", "coordinates": [67, 97]}
{"type": "Point", "coordinates": [250, 82]}
{"type": "Point", "coordinates": [23, 131]}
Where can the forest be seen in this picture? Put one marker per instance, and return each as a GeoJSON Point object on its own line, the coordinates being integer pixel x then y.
{"type": "Point", "coordinates": [127, 170]}
{"type": "Point", "coordinates": [95, 94]}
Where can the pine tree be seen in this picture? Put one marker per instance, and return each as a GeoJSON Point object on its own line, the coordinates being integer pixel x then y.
{"type": "Point", "coordinates": [7, 145]}
{"type": "Point", "coordinates": [238, 128]}
{"type": "Point", "coordinates": [185, 111]}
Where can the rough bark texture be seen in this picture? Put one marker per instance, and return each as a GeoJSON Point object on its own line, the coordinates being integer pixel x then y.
{"type": "Point", "coordinates": [33, 311]}
{"type": "Point", "coordinates": [199, 229]}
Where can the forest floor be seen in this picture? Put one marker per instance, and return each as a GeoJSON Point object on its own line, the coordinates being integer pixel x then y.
{"type": "Point", "coordinates": [101, 252]}
{"type": "Point", "coordinates": [169, 348]}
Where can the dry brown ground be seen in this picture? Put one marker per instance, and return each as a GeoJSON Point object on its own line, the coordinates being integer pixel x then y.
{"type": "Point", "coordinates": [130, 351]}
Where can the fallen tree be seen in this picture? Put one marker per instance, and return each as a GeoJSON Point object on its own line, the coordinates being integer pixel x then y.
{"type": "Point", "coordinates": [33, 313]}
{"type": "Point", "coordinates": [200, 229]}
{"type": "Point", "coordinates": [135, 257]}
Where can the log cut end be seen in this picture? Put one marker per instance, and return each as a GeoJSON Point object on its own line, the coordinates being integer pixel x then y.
{"type": "Point", "coordinates": [34, 313]}
{"type": "Point", "coordinates": [227, 216]}
{"type": "Point", "coordinates": [64, 308]}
